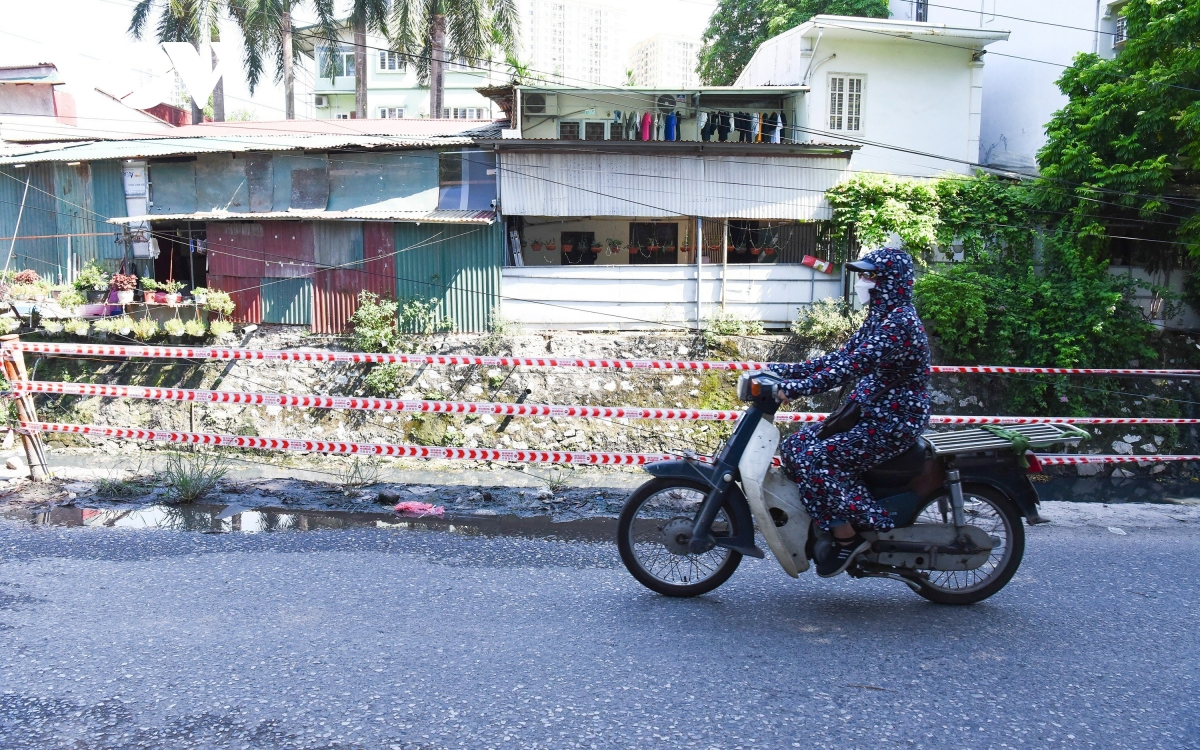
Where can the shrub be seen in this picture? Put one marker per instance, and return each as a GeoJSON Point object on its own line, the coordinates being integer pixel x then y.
{"type": "Point", "coordinates": [827, 324]}
{"type": "Point", "coordinates": [8, 325]}
{"type": "Point", "coordinates": [70, 298]}
{"type": "Point", "coordinates": [424, 317]}
{"type": "Point", "coordinates": [375, 328]}
{"type": "Point", "coordinates": [28, 276]}
{"type": "Point", "coordinates": [219, 302]}
{"type": "Point", "coordinates": [386, 380]}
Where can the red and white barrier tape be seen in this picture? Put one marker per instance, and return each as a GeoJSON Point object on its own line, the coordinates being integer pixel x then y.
{"type": "Point", "coordinates": [589, 458]}
{"type": "Point", "coordinates": [226, 353]}
{"type": "Point", "coordinates": [506, 409]}
{"type": "Point", "coordinates": [360, 449]}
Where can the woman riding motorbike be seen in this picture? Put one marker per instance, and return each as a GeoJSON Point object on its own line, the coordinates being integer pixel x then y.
{"type": "Point", "coordinates": [889, 357]}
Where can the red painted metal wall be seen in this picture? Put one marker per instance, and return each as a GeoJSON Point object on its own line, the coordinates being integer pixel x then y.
{"type": "Point", "coordinates": [235, 248]}
{"type": "Point", "coordinates": [288, 249]}
{"type": "Point", "coordinates": [336, 291]}
{"type": "Point", "coordinates": [244, 290]}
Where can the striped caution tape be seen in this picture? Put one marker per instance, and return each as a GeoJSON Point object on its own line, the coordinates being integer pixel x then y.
{"type": "Point", "coordinates": [581, 458]}
{"type": "Point", "coordinates": [588, 458]}
{"type": "Point", "coordinates": [302, 355]}
{"type": "Point", "coordinates": [508, 409]}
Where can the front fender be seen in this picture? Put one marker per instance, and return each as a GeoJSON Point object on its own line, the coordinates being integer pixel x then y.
{"type": "Point", "coordinates": [691, 470]}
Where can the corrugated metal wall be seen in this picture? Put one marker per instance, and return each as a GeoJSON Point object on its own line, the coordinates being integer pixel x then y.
{"type": "Point", "coordinates": [336, 291]}
{"type": "Point", "coordinates": [108, 200]}
{"type": "Point", "coordinates": [288, 249]}
{"type": "Point", "coordinates": [746, 187]}
{"type": "Point", "coordinates": [245, 293]}
{"type": "Point", "coordinates": [454, 264]}
{"type": "Point", "coordinates": [235, 248]}
{"type": "Point", "coordinates": [38, 220]}
{"type": "Point", "coordinates": [287, 301]}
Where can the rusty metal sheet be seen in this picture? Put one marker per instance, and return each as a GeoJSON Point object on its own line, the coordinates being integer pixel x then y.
{"type": "Point", "coordinates": [288, 249]}
{"type": "Point", "coordinates": [221, 183]}
{"type": "Point", "coordinates": [235, 248]}
{"type": "Point", "coordinates": [245, 294]}
{"type": "Point", "coordinates": [310, 188]}
{"type": "Point", "coordinates": [335, 296]}
{"type": "Point", "coordinates": [379, 250]}
{"type": "Point", "coordinates": [338, 244]}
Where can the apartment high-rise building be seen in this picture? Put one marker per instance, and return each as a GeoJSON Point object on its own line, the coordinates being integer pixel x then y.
{"type": "Point", "coordinates": [575, 42]}
{"type": "Point", "coordinates": [665, 61]}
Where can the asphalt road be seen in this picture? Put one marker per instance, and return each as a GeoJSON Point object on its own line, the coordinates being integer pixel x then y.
{"type": "Point", "coordinates": [404, 639]}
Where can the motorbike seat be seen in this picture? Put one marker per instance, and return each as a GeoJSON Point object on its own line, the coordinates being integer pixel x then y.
{"type": "Point", "coordinates": [899, 471]}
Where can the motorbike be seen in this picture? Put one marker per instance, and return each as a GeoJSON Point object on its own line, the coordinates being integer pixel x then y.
{"type": "Point", "coordinates": [958, 499]}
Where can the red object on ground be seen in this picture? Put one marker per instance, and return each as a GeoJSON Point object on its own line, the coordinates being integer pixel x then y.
{"type": "Point", "coordinates": [415, 508]}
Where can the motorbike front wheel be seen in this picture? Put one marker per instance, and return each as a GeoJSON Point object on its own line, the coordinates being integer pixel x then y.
{"type": "Point", "coordinates": [653, 533]}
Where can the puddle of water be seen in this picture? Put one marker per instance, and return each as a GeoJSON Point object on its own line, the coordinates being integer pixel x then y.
{"type": "Point", "coordinates": [218, 519]}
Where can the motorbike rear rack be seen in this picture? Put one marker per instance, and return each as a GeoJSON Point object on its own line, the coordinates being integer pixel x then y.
{"type": "Point", "coordinates": [976, 440]}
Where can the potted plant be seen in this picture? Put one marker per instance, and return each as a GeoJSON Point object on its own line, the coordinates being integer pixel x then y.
{"type": "Point", "coordinates": [92, 282]}
{"type": "Point", "coordinates": [145, 329]}
{"type": "Point", "coordinates": [614, 246]}
{"type": "Point", "coordinates": [194, 328]}
{"type": "Point", "coordinates": [52, 326]}
{"type": "Point", "coordinates": [769, 250]}
{"type": "Point", "coordinates": [597, 247]}
{"type": "Point", "coordinates": [567, 247]}
{"type": "Point", "coordinates": [219, 302]}
{"type": "Point", "coordinates": [171, 289]}
{"type": "Point", "coordinates": [653, 248]}
{"type": "Point", "coordinates": [669, 249]}
{"type": "Point", "coordinates": [123, 284]}
{"type": "Point", "coordinates": [755, 250]}
{"type": "Point", "coordinates": [76, 327]}
{"type": "Point", "coordinates": [174, 328]}
{"type": "Point", "coordinates": [551, 246]}
{"type": "Point", "coordinates": [220, 328]}
{"type": "Point", "coordinates": [200, 295]}
{"type": "Point", "coordinates": [535, 245]}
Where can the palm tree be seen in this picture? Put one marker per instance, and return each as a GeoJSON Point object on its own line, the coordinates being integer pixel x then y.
{"type": "Point", "coordinates": [435, 31]}
{"type": "Point", "coordinates": [365, 15]}
{"type": "Point", "coordinates": [266, 27]}
{"type": "Point", "coordinates": [184, 21]}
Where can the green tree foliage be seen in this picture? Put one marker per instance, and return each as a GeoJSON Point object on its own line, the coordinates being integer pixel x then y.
{"type": "Point", "coordinates": [1123, 151]}
{"type": "Point", "coordinates": [737, 27]}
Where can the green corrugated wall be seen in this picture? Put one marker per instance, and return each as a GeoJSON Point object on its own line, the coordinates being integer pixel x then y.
{"type": "Point", "coordinates": [457, 264]}
{"type": "Point", "coordinates": [287, 301]}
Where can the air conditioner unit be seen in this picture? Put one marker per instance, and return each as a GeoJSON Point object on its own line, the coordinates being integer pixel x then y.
{"type": "Point", "coordinates": [539, 104]}
{"type": "Point", "coordinates": [669, 102]}
{"type": "Point", "coordinates": [321, 101]}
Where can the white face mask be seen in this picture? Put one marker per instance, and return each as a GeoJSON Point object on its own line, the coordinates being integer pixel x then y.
{"type": "Point", "coordinates": [863, 287]}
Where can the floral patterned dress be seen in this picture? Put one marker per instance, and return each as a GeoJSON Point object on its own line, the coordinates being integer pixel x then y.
{"type": "Point", "coordinates": [889, 352]}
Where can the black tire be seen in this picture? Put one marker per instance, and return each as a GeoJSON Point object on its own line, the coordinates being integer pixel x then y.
{"type": "Point", "coordinates": [717, 564]}
{"type": "Point", "coordinates": [1009, 515]}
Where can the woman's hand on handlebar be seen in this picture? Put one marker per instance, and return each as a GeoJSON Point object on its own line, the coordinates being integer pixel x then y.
{"type": "Point", "coordinates": [781, 395]}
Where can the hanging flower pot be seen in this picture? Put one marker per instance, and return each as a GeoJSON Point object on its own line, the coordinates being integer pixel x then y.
{"type": "Point", "coordinates": [755, 250]}
{"type": "Point", "coordinates": [535, 246]}
{"type": "Point", "coordinates": [714, 249]}
{"type": "Point", "coordinates": [769, 251]}
{"type": "Point", "coordinates": [567, 248]}
{"type": "Point", "coordinates": [654, 248]}
{"type": "Point", "coordinates": [597, 247]}
{"type": "Point", "coordinates": [551, 246]}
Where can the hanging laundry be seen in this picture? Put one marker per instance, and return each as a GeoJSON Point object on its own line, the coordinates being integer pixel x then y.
{"type": "Point", "coordinates": [791, 138]}
{"type": "Point", "coordinates": [671, 124]}
{"type": "Point", "coordinates": [646, 122]}
{"type": "Point", "coordinates": [723, 126]}
{"type": "Point", "coordinates": [741, 123]}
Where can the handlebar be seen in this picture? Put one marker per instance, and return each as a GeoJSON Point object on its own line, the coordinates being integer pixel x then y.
{"type": "Point", "coordinates": [761, 389]}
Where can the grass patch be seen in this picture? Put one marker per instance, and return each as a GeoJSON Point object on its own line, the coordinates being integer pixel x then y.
{"type": "Point", "coordinates": [189, 477]}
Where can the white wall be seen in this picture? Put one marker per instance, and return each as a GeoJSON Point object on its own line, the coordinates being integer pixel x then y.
{"type": "Point", "coordinates": [645, 297]}
{"type": "Point", "coordinates": [1019, 96]}
{"type": "Point", "coordinates": [917, 97]}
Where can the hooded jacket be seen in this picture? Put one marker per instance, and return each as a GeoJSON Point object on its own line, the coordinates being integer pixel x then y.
{"type": "Point", "coordinates": [889, 351]}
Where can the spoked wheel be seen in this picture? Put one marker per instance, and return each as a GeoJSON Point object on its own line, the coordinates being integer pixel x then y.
{"type": "Point", "coordinates": [996, 515]}
{"type": "Point", "coordinates": [653, 534]}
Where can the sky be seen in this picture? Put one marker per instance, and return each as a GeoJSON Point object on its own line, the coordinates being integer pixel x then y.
{"type": "Point", "coordinates": [87, 40]}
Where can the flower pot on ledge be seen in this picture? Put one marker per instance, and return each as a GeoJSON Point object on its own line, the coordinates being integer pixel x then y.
{"type": "Point", "coordinates": [124, 296]}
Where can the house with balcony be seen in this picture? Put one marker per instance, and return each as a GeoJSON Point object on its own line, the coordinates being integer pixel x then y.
{"type": "Point", "coordinates": [634, 208]}
{"type": "Point", "coordinates": [393, 91]}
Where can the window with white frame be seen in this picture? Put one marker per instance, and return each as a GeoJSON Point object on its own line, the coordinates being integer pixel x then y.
{"type": "Point", "coordinates": [845, 102]}
{"type": "Point", "coordinates": [391, 113]}
{"type": "Point", "coordinates": [1122, 32]}
{"type": "Point", "coordinates": [462, 113]}
{"type": "Point", "coordinates": [390, 61]}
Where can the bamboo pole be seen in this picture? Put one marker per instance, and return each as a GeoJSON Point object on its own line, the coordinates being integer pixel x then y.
{"type": "Point", "coordinates": [35, 452]}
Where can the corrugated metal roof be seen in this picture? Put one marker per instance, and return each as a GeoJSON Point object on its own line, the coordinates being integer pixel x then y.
{"type": "Point", "coordinates": [149, 148]}
{"type": "Point", "coordinates": [632, 185]}
{"type": "Point", "coordinates": [467, 216]}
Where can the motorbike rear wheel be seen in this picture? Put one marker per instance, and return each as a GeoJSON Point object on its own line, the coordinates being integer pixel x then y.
{"type": "Point", "coordinates": [653, 534]}
{"type": "Point", "coordinates": [997, 515]}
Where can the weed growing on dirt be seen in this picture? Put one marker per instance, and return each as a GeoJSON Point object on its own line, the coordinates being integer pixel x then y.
{"type": "Point", "coordinates": [557, 481]}
{"type": "Point", "coordinates": [499, 338]}
{"type": "Point", "coordinates": [359, 472]}
{"type": "Point", "coordinates": [386, 380]}
{"type": "Point", "coordinates": [188, 477]}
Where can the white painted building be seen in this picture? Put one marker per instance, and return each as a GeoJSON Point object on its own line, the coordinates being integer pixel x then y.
{"type": "Point", "coordinates": [575, 42]}
{"type": "Point", "coordinates": [665, 61]}
{"type": "Point", "coordinates": [910, 93]}
{"type": "Point", "coordinates": [1019, 91]}
{"type": "Point", "coordinates": [392, 87]}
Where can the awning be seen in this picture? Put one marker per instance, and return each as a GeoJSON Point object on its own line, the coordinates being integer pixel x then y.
{"type": "Point", "coordinates": [433, 217]}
